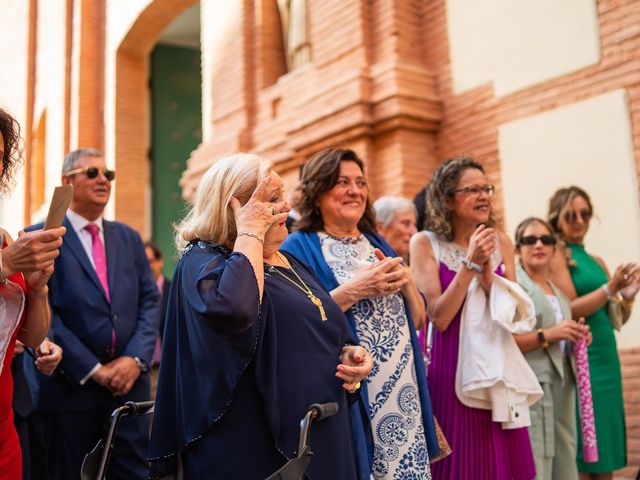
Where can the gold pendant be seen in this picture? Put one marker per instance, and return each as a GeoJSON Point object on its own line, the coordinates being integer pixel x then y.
{"type": "Point", "coordinates": [318, 303]}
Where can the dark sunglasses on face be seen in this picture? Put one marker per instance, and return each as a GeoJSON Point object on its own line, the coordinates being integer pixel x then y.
{"type": "Point", "coordinates": [572, 217]}
{"type": "Point", "coordinates": [531, 240]}
{"type": "Point", "coordinates": [92, 172]}
{"type": "Point", "coordinates": [476, 190]}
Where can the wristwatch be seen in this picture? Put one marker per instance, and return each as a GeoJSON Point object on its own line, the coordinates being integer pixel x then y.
{"type": "Point", "coordinates": [144, 368]}
{"type": "Point", "coordinates": [542, 339]}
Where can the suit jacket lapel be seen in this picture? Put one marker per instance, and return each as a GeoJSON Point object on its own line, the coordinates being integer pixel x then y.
{"type": "Point", "coordinates": [75, 245]}
{"type": "Point", "coordinates": [111, 251]}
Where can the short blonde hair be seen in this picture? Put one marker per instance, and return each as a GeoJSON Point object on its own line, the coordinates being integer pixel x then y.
{"type": "Point", "coordinates": [211, 216]}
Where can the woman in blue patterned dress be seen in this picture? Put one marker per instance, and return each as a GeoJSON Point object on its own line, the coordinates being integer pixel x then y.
{"type": "Point", "coordinates": [337, 237]}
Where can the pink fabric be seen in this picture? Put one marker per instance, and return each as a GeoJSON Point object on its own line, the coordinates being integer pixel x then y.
{"type": "Point", "coordinates": [99, 257]}
{"type": "Point", "coordinates": [100, 264]}
{"type": "Point", "coordinates": [585, 401]}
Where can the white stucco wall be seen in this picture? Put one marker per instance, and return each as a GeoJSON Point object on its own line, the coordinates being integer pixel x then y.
{"type": "Point", "coordinates": [588, 144]}
{"type": "Point", "coordinates": [518, 43]}
{"type": "Point", "coordinates": [13, 78]}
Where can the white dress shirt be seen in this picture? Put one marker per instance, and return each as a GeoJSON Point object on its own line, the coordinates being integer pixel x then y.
{"type": "Point", "coordinates": [78, 222]}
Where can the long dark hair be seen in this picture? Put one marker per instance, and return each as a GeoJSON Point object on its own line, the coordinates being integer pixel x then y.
{"type": "Point", "coordinates": [11, 158]}
{"type": "Point", "coordinates": [440, 190]}
{"type": "Point", "coordinates": [320, 174]}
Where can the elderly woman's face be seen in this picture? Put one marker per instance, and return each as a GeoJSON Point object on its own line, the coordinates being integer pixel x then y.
{"type": "Point", "coordinates": [399, 231]}
{"type": "Point", "coordinates": [344, 205]}
{"type": "Point", "coordinates": [470, 201]}
{"type": "Point", "coordinates": [277, 232]}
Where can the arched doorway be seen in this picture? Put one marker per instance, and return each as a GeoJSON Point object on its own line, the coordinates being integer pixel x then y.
{"type": "Point", "coordinates": [132, 112]}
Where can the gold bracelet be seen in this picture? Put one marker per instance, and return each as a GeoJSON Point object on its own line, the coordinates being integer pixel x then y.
{"type": "Point", "coordinates": [626, 305]}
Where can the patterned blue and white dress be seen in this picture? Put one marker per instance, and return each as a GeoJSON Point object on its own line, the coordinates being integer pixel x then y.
{"type": "Point", "coordinates": [400, 448]}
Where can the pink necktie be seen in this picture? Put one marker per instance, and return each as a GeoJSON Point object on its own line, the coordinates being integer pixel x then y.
{"type": "Point", "coordinates": [99, 257]}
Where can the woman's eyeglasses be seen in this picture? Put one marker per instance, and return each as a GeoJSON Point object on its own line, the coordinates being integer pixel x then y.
{"type": "Point", "coordinates": [92, 172]}
{"type": "Point", "coordinates": [531, 240]}
{"type": "Point", "coordinates": [476, 190]}
{"type": "Point", "coordinates": [572, 217]}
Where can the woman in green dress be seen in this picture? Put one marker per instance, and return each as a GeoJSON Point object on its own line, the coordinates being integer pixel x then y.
{"type": "Point", "coordinates": [585, 280]}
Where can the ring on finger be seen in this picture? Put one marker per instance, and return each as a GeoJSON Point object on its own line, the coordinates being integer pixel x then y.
{"type": "Point", "coordinates": [389, 286]}
{"type": "Point", "coordinates": [274, 211]}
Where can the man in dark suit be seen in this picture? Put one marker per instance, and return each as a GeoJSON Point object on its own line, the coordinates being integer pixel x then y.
{"type": "Point", "coordinates": [105, 309]}
{"type": "Point", "coordinates": [156, 263]}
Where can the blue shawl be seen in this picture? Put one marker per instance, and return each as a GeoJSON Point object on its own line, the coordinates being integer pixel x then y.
{"type": "Point", "coordinates": [306, 246]}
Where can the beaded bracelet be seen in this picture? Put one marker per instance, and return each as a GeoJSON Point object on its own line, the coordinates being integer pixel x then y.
{"type": "Point", "coordinates": [252, 235]}
{"type": "Point", "coordinates": [607, 291]}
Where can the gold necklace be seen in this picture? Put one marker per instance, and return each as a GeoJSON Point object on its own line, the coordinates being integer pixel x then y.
{"type": "Point", "coordinates": [302, 286]}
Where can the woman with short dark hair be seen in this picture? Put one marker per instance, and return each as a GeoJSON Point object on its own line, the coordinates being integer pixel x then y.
{"type": "Point", "coordinates": [337, 237]}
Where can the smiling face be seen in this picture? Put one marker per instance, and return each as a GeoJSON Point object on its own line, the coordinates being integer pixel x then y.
{"type": "Point", "coordinates": [277, 233]}
{"type": "Point", "coordinates": [90, 195]}
{"type": "Point", "coordinates": [469, 207]}
{"type": "Point", "coordinates": [536, 257]}
{"type": "Point", "coordinates": [399, 231]}
{"type": "Point", "coordinates": [343, 206]}
{"type": "Point", "coordinates": [574, 223]}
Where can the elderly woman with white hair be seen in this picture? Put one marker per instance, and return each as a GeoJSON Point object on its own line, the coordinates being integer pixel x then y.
{"type": "Point", "coordinates": [251, 340]}
{"type": "Point", "coordinates": [396, 222]}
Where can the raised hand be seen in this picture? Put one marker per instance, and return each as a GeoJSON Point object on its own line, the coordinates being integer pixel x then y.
{"type": "Point", "coordinates": [632, 283]}
{"type": "Point", "coordinates": [482, 244]}
{"type": "Point", "coordinates": [32, 251]}
{"type": "Point", "coordinates": [259, 213]}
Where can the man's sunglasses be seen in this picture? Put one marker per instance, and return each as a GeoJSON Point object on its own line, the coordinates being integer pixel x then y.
{"type": "Point", "coordinates": [531, 240]}
{"type": "Point", "coordinates": [572, 217]}
{"type": "Point", "coordinates": [92, 172]}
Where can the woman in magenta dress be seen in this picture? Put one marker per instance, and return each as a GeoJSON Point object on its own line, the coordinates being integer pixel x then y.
{"type": "Point", "coordinates": [24, 309]}
{"type": "Point", "coordinates": [461, 243]}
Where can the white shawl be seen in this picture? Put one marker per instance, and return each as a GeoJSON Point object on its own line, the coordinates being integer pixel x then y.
{"type": "Point", "coordinates": [492, 373]}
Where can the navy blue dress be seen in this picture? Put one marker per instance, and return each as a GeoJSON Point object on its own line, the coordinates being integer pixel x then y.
{"type": "Point", "coordinates": [237, 376]}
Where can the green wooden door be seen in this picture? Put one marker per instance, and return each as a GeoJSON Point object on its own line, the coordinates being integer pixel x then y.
{"type": "Point", "coordinates": [176, 131]}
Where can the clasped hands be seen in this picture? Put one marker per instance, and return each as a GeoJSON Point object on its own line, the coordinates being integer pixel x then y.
{"type": "Point", "coordinates": [118, 375]}
{"type": "Point", "coordinates": [482, 245]}
{"type": "Point", "coordinates": [355, 365]}
{"type": "Point", "coordinates": [387, 276]}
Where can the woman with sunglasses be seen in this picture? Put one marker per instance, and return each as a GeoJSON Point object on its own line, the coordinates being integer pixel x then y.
{"type": "Point", "coordinates": [462, 244]}
{"type": "Point", "coordinates": [585, 280]}
{"type": "Point", "coordinates": [547, 349]}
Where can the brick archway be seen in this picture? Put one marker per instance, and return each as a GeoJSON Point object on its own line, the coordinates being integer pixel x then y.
{"type": "Point", "coordinates": [132, 111]}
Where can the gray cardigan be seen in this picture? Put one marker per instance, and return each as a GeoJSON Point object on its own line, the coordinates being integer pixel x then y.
{"type": "Point", "coordinates": [546, 363]}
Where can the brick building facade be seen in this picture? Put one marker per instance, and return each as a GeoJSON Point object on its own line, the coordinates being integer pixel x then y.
{"type": "Point", "coordinates": [406, 83]}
